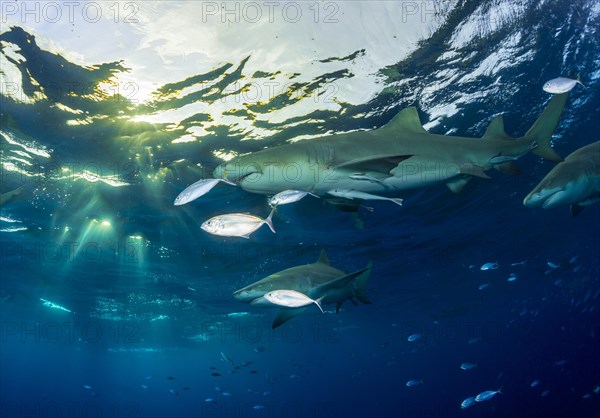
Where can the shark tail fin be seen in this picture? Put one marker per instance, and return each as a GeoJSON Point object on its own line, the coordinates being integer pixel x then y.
{"type": "Point", "coordinates": [269, 220]}
{"type": "Point", "coordinates": [360, 284]}
{"type": "Point", "coordinates": [543, 128]}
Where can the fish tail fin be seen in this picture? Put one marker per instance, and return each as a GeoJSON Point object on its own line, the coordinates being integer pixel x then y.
{"type": "Point", "coordinates": [398, 201]}
{"type": "Point", "coordinates": [318, 303]}
{"type": "Point", "coordinates": [227, 181]}
{"type": "Point", "coordinates": [541, 132]}
{"type": "Point", "coordinates": [269, 220]}
{"type": "Point", "coordinates": [500, 390]}
{"type": "Point", "coordinates": [360, 285]}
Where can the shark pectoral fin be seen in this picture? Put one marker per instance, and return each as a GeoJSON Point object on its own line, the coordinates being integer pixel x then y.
{"type": "Point", "coordinates": [576, 209]}
{"type": "Point", "coordinates": [457, 185]}
{"type": "Point", "coordinates": [495, 130]}
{"type": "Point", "coordinates": [285, 314]}
{"type": "Point", "coordinates": [339, 282]}
{"type": "Point", "coordinates": [509, 168]}
{"type": "Point", "coordinates": [380, 164]}
{"type": "Point", "coordinates": [473, 170]}
{"type": "Point", "coordinates": [406, 121]}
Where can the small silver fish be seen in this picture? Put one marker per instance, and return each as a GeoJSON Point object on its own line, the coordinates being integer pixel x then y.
{"type": "Point", "coordinates": [467, 402]}
{"type": "Point", "coordinates": [291, 299]}
{"type": "Point", "coordinates": [257, 407]}
{"type": "Point", "coordinates": [468, 366]}
{"type": "Point", "coordinates": [236, 224]}
{"type": "Point", "coordinates": [499, 159]}
{"type": "Point", "coordinates": [489, 266]}
{"type": "Point", "coordinates": [355, 194]}
{"type": "Point", "coordinates": [88, 387]}
{"type": "Point", "coordinates": [414, 382]}
{"type": "Point", "coordinates": [560, 85]}
{"type": "Point", "coordinates": [288, 196]}
{"type": "Point", "coordinates": [512, 277]}
{"type": "Point", "coordinates": [552, 265]}
{"type": "Point", "coordinates": [535, 383]}
{"type": "Point", "coordinates": [484, 286]}
{"type": "Point", "coordinates": [487, 395]}
{"type": "Point", "coordinates": [414, 337]}
{"type": "Point", "coordinates": [200, 188]}
{"type": "Point", "coordinates": [545, 393]}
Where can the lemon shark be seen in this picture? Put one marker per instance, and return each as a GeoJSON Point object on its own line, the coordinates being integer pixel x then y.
{"type": "Point", "coordinates": [316, 280]}
{"type": "Point", "coordinates": [398, 156]}
{"type": "Point", "coordinates": [575, 182]}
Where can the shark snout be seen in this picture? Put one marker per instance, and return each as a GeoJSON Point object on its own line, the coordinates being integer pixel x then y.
{"type": "Point", "coordinates": [545, 198]}
{"type": "Point", "coordinates": [241, 294]}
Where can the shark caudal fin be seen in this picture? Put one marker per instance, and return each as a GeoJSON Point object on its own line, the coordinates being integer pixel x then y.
{"type": "Point", "coordinates": [543, 128]}
{"type": "Point", "coordinates": [360, 284]}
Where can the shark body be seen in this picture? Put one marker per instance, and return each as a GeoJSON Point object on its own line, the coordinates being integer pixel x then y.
{"type": "Point", "coordinates": [5, 197]}
{"type": "Point", "coordinates": [318, 281]}
{"type": "Point", "coordinates": [575, 182]}
{"type": "Point", "coordinates": [398, 156]}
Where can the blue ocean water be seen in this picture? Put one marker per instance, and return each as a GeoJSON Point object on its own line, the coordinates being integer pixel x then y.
{"type": "Point", "coordinates": [114, 303]}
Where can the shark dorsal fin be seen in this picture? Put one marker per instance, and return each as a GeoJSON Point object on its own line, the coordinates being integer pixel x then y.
{"type": "Point", "coordinates": [407, 120]}
{"type": "Point", "coordinates": [495, 130]}
{"type": "Point", "coordinates": [323, 258]}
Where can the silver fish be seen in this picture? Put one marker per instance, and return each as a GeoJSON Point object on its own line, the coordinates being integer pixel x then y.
{"type": "Point", "coordinates": [468, 366]}
{"type": "Point", "coordinates": [414, 382]}
{"type": "Point", "coordinates": [291, 299]}
{"type": "Point", "coordinates": [200, 188]}
{"type": "Point", "coordinates": [487, 395]}
{"type": "Point", "coordinates": [467, 402]}
{"type": "Point", "coordinates": [288, 196]}
{"type": "Point", "coordinates": [489, 266]}
{"type": "Point", "coordinates": [560, 85]}
{"type": "Point", "coordinates": [355, 194]}
{"type": "Point", "coordinates": [362, 176]}
{"type": "Point", "coordinates": [236, 224]}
